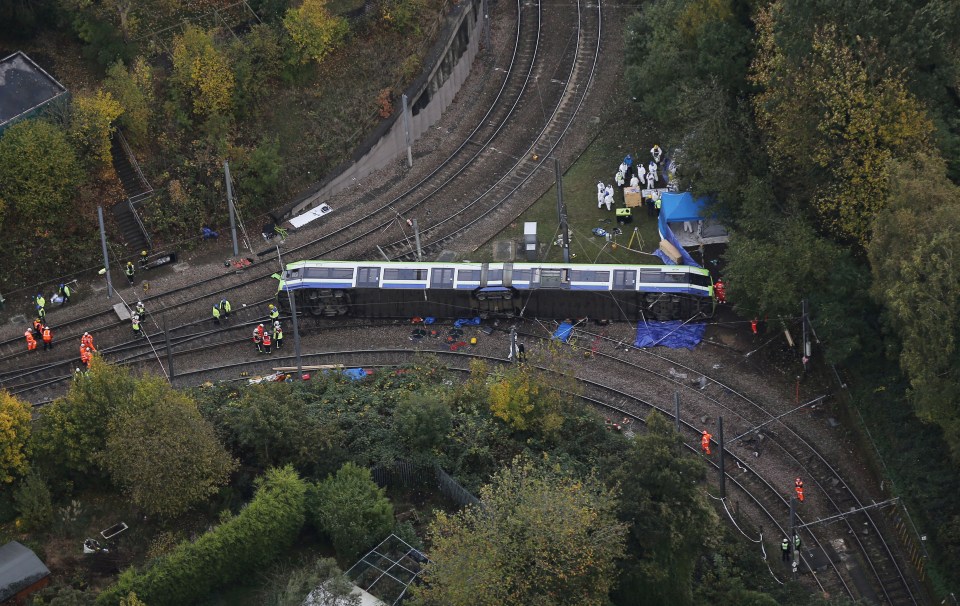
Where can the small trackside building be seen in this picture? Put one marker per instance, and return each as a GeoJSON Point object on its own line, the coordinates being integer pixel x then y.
{"type": "Point", "coordinates": [26, 90]}
{"type": "Point", "coordinates": [21, 574]}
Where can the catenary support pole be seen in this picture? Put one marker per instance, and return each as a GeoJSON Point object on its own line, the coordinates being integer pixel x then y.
{"type": "Point", "coordinates": [416, 238]}
{"type": "Point", "coordinates": [793, 531]}
{"type": "Point", "coordinates": [296, 325]}
{"type": "Point", "coordinates": [106, 258]}
{"type": "Point", "coordinates": [233, 220]}
{"type": "Point", "coordinates": [723, 473]}
{"type": "Point", "coordinates": [562, 211]}
{"type": "Point", "coordinates": [406, 131]}
{"type": "Point", "coordinates": [166, 337]}
{"type": "Point", "coordinates": [486, 25]}
{"type": "Point", "coordinates": [676, 409]}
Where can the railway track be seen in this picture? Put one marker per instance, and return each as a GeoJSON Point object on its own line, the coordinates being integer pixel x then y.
{"type": "Point", "coordinates": [882, 580]}
{"type": "Point", "coordinates": [466, 169]}
{"type": "Point", "coordinates": [605, 398]}
{"type": "Point", "coordinates": [452, 179]}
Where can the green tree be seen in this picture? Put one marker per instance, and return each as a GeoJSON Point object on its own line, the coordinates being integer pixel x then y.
{"type": "Point", "coordinates": [670, 521]}
{"type": "Point", "coordinates": [831, 121]}
{"type": "Point", "coordinates": [39, 173]}
{"type": "Point", "coordinates": [14, 436]}
{"type": "Point", "coordinates": [241, 545]}
{"type": "Point", "coordinates": [132, 600]}
{"type": "Point", "coordinates": [163, 453]}
{"type": "Point", "coordinates": [915, 277]}
{"type": "Point", "coordinates": [71, 433]}
{"type": "Point", "coordinates": [258, 173]}
{"type": "Point", "coordinates": [315, 32]}
{"type": "Point", "coordinates": [257, 61]}
{"type": "Point", "coordinates": [271, 425]}
{"type": "Point", "coordinates": [352, 510]}
{"type": "Point", "coordinates": [674, 47]}
{"type": "Point", "coordinates": [133, 89]}
{"type": "Point", "coordinates": [91, 125]}
{"type": "Point", "coordinates": [202, 73]}
{"type": "Point", "coordinates": [541, 537]}
{"type": "Point", "coordinates": [33, 502]}
{"type": "Point", "coordinates": [525, 400]}
{"type": "Point", "coordinates": [422, 422]}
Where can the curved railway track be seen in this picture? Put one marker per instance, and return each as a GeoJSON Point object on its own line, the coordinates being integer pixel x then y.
{"type": "Point", "coordinates": [887, 583]}
{"type": "Point", "coordinates": [458, 174]}
{"type": "Point", "coordinates": [503, 132]}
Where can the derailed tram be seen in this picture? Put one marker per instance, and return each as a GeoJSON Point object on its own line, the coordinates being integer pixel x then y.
{"type": "Point", "coordinates": [454, 290]}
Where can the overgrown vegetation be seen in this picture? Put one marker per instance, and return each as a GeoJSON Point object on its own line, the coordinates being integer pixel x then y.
{"type": "Point", "coordinates": [826, 133]}
{"type": "Point", "coordinates": [278, 92]}
{"type": "Point", "coordinates": [601, 512]}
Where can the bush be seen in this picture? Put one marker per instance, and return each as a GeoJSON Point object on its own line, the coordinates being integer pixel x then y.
{"type": "Point", "coordinates": [351, 510]}
{"type": "Point", "coordinates": [257, 535]}
{"type": "Point", "coordinates": [32, 499]}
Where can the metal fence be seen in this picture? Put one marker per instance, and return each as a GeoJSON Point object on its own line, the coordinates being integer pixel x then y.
{"type": "Point", "coordinates": [410, 475]}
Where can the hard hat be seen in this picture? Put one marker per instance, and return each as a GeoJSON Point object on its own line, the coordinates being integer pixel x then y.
{"type": "Point", "coordinates": [143, 252]}
{"type": "Point", "coordinates": [260, 326]}
{"type": "Point", "coordinates": [139, 302]}
{"type": "Point", "coordinates": [86, 334]}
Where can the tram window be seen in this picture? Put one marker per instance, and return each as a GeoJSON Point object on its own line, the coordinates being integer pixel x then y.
{"type": "Point", "coordinates": [551, 278]}
{"type": "Point", "coordinates": [699, 279]}
{"type": "Point", "coordinates": [522, 275]}
{"type": "Point", "coordinates": [495, 275]}
{"type": "Point", "coordinates": [441, 277]}
{"type": "Point", "coordinates": [368, 276]}
{"type": "Point", "coordinates": [624, 278]}
{"type": "Point", "coordinates": [328, 273]}
{"type": "Point", "coordinates": [468, 275]}
{"type": "Point", "coordinates": [404, 274]}
{"type": "Point", "coordinates": [652, 276]}
{"type": "Point", "coordinates": [677, 277]}
{"type": "Point", "coordinates": [583, 275]}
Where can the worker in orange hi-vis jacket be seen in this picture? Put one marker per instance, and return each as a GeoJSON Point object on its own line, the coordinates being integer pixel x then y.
{"type": "Point", "coordinates": [798, 486]}
{"type": "Point", "coordinates": [705, 442]}
{"type": "Point", "coordinates": [31, 341]}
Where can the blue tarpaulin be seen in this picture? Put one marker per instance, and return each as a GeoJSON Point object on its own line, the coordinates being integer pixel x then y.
{"type": "Point", "coordinates": [677, 207]}
{"type": "Point", "coordinates": [354, 374]}
{"type": "Point", "coordinates": [467, 322]}
{"type": "Point", "coordinates": [675, 335]}
{"type": "Point", "coordinates": [563, 333]}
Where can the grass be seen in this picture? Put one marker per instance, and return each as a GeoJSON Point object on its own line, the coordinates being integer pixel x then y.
{"type": "Point", "coordinates": [620, 135]}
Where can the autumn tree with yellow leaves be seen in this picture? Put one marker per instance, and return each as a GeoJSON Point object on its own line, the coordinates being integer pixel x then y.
{"type": "Point", "coordinates": [14, 436]}
{"type": "Point", "coordinates": [202, 73]}
{"type": "Point", "coordinates": [541, 536]}
{"type": "Point", "coordinates": [92, 125]}
{"type": "Point", "coordinates": [833, 126]}
{"type": "Point", "coordinates": [314, 30]}
{"type": "Point", "coordinates": [525, 400]}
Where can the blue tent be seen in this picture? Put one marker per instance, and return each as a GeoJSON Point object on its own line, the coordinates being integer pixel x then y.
{"type": "Point", "coordinates": [675, 207]}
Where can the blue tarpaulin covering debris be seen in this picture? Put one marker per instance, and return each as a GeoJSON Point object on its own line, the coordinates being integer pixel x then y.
{"type": "Point", "coordinates": [467, 322]}
{"type": "Point", "coordinates": [677, 207]}
{"type": "Point", "coordinates": [563, 332]}
{"type": "Point", "coordinates": [675, 335]}
{"type": "Point", "coordinates": [354, 374]}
